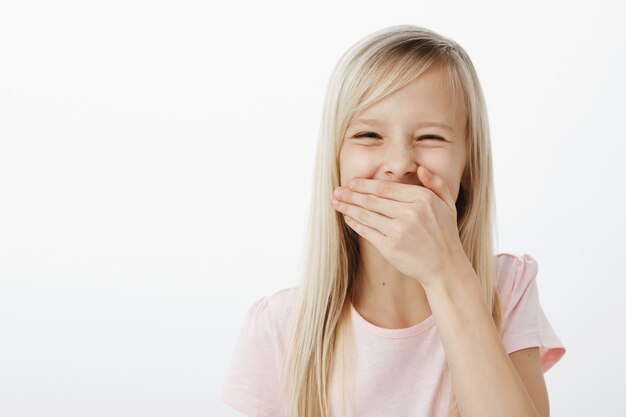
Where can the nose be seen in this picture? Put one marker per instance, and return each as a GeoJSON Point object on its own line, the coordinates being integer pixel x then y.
{"type": "Point", "coordinates": [400, 164]}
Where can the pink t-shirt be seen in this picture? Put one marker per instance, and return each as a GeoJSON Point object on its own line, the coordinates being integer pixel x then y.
{"type": "Point", "coordinates": [401, 372]}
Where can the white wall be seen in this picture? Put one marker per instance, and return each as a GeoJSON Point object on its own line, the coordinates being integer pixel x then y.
{"type": "Point", "coordinates": [155, 170]}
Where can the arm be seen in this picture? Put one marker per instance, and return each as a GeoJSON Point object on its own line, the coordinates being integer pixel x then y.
{"type": "Point", "coordinates": [526, 361]}
{"type": "Point", "coordinates": [484, 378]}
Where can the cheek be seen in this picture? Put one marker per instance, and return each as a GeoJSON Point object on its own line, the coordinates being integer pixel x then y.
{"type": "Point", "coordinates": [356, 163]}
{"type": "Point", "coordinates": [447, 168]}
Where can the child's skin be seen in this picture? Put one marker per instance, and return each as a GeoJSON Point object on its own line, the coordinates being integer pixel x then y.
{"type": "Point", "coordinates": [392, 152]}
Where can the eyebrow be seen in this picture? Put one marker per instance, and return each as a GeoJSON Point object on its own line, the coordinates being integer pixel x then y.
{"type": "Point", "coordinates": [377, 123]}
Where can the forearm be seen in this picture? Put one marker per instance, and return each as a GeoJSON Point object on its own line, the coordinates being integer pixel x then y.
{"type": "Point", "coordinates": [484, 380]}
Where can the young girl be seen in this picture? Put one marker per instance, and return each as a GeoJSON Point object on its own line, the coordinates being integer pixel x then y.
{"type": "Point", "coordinates": [404, 309]}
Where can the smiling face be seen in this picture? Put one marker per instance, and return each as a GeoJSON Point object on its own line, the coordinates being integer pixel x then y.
{"type": "Point", "coordinates": [391, 138]}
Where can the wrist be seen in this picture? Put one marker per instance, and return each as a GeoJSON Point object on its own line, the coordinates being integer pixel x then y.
{"type": "Point", "coordinates": [459, 272]}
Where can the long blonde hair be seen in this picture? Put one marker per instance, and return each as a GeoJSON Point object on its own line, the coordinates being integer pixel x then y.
{"type": "Point", "coordinates": [373, 68]}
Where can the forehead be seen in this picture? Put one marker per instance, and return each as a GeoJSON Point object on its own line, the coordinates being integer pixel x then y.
{"type": "Point", "coordinates": [426, 101]}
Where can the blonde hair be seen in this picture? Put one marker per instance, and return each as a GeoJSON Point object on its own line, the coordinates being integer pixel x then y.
{"type": "Point", "coordinates": [319, 344]}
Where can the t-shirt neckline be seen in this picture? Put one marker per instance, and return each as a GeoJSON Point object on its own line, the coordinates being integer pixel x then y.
{"type": "Point", "coordinates": [420, 327]}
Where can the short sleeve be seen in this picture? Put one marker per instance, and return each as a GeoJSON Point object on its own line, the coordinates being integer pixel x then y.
{"type": "Point", "coordinates": [251, 382]}
{"type": "Point", "coordinates": [524, 322]}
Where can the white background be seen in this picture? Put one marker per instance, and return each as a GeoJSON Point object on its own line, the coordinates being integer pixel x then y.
{"type": "Point", "coordinates": [155, 169]}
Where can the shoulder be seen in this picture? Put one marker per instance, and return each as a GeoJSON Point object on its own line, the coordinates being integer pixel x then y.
{"type": "Point", "coordinates": [280, 303]}
{"type": "Point", "coordinates": [274, 304]}
{"type": "Point", "coordinates": [514, 260]}
{"type": "Point", "coordinates": [276, 311]}
{"type": "Point", "coordinates": [524, 323]}
{"type": "Point", "coordinates": [252, 381]}
{"type": "Point", "coordinates": [514, 271]}
{"type": "Point", "coordinates": [283, 296]}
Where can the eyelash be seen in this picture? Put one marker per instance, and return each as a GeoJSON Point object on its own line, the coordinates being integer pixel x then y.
{"type": "Point", "coordinates": [371, 134]}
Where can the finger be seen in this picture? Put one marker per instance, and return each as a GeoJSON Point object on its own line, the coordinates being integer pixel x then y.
{"type": "Point", "coordinates": [391, 190]}
{"type": "Point", "coordinates": [389, 208]}
{"type": "Point", "coordinates": [381, 224]}
{"type": "Point", "coordinates": [367, 232]}
{"type": "Point", "coordinates": [436, 184]}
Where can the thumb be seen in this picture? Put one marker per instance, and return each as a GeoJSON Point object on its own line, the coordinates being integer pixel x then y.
{"type": "Point", "coordinates": [426, 175]}
{"type": "Point", "coordinates": [437, 185]}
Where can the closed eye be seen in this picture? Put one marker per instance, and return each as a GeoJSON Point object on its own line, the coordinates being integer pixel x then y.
{"type": "Point", "coordinates": [373, 135]}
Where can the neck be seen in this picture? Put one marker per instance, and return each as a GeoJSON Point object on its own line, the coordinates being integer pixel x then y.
{"type": "Point", "coordinates": [383, 293]}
